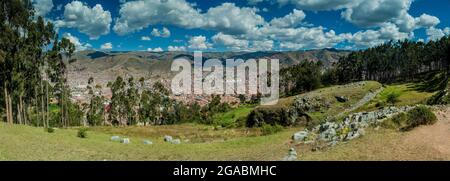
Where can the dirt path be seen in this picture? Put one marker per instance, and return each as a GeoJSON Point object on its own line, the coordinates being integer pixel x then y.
{"type": "Point", "coordinates": [434, 138]}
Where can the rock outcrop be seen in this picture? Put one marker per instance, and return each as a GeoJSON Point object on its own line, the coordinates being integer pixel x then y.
{"type": "Point", "coordinates": [351, 127]}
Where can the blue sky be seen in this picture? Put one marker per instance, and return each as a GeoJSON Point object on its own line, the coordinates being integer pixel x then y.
{"type": "Point", "coordinates": [245, 25]}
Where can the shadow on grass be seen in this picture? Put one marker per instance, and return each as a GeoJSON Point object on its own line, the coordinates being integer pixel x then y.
{"type": "Point", "coordinates": [431, 82]}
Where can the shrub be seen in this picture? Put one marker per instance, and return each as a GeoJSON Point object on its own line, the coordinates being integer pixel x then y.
{"type": "Point", "coordinates": [379, 104]}
{"type": "Point", "coordinates": [392, 97]}
{"type": "Point", "coordinates": [268, 129]}
{"type": "Point", "coordinates": [50, 130]}
{"type": "Point", "coordinates": [82, 133]}
{"type": "Point", "coordinates": [420, 115]}
{"type": "Point", "coordinates": [397, 121]}
{"type": "Point", "coordinates": [276, 115]}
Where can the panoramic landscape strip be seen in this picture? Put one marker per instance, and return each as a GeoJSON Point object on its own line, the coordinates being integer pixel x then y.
{"type": "Point", "coordinates": [256, 80]}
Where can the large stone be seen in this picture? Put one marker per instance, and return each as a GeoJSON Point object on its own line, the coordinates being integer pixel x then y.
{"type": "Point", "coordinates": [176, 141]}
{"type": "Point", "coordinates": [147, 142]}
{"type": "Point", "coordinates": [115, 138]}
{"type": "Point", "coordinates": [125, 141]}
{"type": "Point", "coordinates": [341, 98]}
{"type": "Point", "coordinates": [300, 136]}
{"type": "Point", "coordinates": [168, 138]}
{"type": "Point", "coordinates": [292, 155]}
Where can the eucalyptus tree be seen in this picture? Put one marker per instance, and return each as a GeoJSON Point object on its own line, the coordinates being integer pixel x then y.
{"type": "Point", "coordinates": [23, 42]}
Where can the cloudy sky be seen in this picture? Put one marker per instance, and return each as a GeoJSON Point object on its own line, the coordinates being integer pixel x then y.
{"type": "Point", "coordinates": [243, 25]}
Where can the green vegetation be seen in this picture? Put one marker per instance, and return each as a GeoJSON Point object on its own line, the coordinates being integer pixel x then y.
{"type": "Point", "coordinates": [419, 116]}
{"type": "Point", "coordinates": [394, 61]}
{"type": "Point", "coordinates": [268, 129]}
{"type": "Point", "coordinates": [82, 133]}
{"type": "Point", "coordinates": [442, 96]}
{"type": "Point", "coordinates": [50, 130]}
{"type": "Point", "coordinates": [21, 142]}
{"type": "Point", "coordinates": [274, 115]}
{"type": "Point", "coordinates": [392, 98]}
{"type": "Point", "coordinates": [398, 95]}
{"type": "Point", "coordinates": [282, 113]}
{"type": "Point", "coordinates": [236, 117]}
{"type": "Point", "coordinates": [305, 76]}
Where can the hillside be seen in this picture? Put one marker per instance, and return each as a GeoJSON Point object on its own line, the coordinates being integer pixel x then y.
{"type": "Point", "coordinates": [227, 141]}
{"type": "Point", "coordinates": [30, 143]}
{"type": "Point", "coordinates": [105, 66]}
{"type": "Point", "coordinates": [155, 66]}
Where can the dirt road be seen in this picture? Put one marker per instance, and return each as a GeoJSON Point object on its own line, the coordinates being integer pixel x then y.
{"type": "Point", "coordinates": [434, 138]}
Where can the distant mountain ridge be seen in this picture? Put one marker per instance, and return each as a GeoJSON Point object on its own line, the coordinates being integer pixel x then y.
{"type": "Point", "coordinates": [106, 66]}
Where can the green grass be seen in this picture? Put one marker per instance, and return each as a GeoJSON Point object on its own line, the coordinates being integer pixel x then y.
{"type": "Point", "coordinates": [231, 118]}
{"type": "Point", "coordinates": [409, 94]}
{"type": "Point", "coordinates": [30, 143]}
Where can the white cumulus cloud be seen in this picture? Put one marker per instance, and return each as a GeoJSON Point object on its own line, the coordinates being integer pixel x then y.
{"type": "Point", "coordinates": [165, 33]}
{"type": "Point", "coordinates": [176, 48]}
{"type": "Point", "coordinates": [42, 7]}
{"type": "Point", "coordinates": [230, 42]}
{"type": "Point", "coordinates": [106, 46]}
{"type": "Point", "coordinates": [145, 38]}
{"type": "Point", "coordinates": [436, 33]}
{"type": "Point", "coordinates": [158, 49]}
{"type": "Point", "coordinates": [291, 20]}
{"type": "Point", "coordinates": [198, 43]}
{"type": "Point", "coordinates": [79, 46]}
{"type": "Point", "coordinates": [93, 22]}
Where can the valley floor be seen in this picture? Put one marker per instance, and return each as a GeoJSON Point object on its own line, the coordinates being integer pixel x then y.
{"type": "Point", "coordinates": [28, 143]}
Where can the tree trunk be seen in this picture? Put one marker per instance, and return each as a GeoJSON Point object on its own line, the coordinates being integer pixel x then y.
{"type": "Point", "coordinates": [8, 119]}
{"type": "Point", "coordinates": [19, 118]}
{"type": "Point", "coordinates": [10, 109]}
{"type": "Point", "coordinates": [22, 110]}
{"type": "Point", "coordinates": [62, 108]}
{"type": "Point", "coordinates": [42, 106]}
{"type": "Point", "coordinates": [46, 103]}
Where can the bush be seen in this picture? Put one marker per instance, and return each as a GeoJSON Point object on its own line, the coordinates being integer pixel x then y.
{"type": "Point", "coordinates": [82, 133]}
{"type": "Point", "coordinates": [420, 115]}
{"type": "Point", "coordinates": [392, 97]}
{"type": "Point", "coordinates": [268, 129]}
{"type": "Point", "coordinates": [397, 121]}
{"type": "Point", "coordinates": [379, 104]}
{"type": "Point", "coordinates": [267, 115]}
{"type": "Point", "coordinates": [50, 130]}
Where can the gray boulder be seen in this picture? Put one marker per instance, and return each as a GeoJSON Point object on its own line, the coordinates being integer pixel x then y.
{"type": "Point", "coordinates": [147, 142]}
{"type": "Point", "coordinates": [176, 141]}
{"type": "Point", "coordinates": [115, 138]}
{"type": "Point", "coordinates": [125, 141]}
{"type": "Point", "coordinates": [168, 138]}
{"type": "Point", "coordinates": [292, 155]}
{"type": "Point", "coordinates": [341, 98]}
{"type": "Point", "coordinates": [300, 136]}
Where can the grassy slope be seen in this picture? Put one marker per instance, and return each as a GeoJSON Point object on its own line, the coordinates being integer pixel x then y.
{"type": "Point", "coordinates": [353, 92]}
{"type": "Point", "coordinates": [409, 94]}
{"type": "Point", "coordinates": [229, 118]}
{"type": "Point", "coordinates": [206, 143]}
{"type": "Point", "coordinates": [29, 143]}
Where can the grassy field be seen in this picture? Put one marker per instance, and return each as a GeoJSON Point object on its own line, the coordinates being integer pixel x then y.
{"type": "Point", "coordinates": [30, 143]}
{"type": "Point", "coordinates": [225, 141]}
